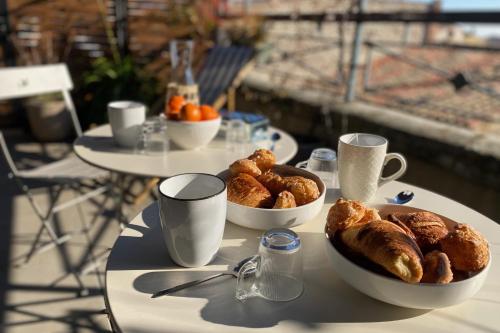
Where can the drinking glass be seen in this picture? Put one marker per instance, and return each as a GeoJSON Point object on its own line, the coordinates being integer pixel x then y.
{"type": "Point", "coordinates": [237, 137]}
{"type": "Point", "coordinates": [153, 139]}
{"type": "Point", "coordinates": [275, 273]}
{"type": "Point", "coordinates": [323, 163]}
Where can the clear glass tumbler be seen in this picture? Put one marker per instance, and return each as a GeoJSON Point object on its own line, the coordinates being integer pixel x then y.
{"type": "Point", "coordinates": [275, 273]}
{"type": "Point", "coordinates": [237, 137]}
{"type": "Point", "coordinates": [323, 163]}
{"type": "Point", "coordinates": [153, 139]}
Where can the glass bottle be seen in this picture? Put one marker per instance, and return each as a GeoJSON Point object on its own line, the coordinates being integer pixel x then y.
{"type": "Point", "coordinates": [182, 79]}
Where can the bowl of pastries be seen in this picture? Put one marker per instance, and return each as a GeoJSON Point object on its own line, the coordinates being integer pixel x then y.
{"type": "Point", "coordinates": [406, 256]}
{"type": "Point", "coordinates": [263, 195]}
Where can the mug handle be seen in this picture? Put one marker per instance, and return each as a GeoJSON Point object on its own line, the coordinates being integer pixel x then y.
{"type": "Point", "coordinates": [301, 165]}
{"type": "Point", "coordinates": [246, 278]}
{"type": "Point", "coordinates": [397, 174]}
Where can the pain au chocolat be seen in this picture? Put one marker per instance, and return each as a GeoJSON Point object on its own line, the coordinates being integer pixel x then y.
{"type": "Point", "coordinates": [245, 190]}
{"type": "Point", "coordinates": [387, 245]}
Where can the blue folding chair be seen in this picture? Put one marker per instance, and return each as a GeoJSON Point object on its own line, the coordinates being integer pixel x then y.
{"type": "Point", "coordinates": [222, 73]}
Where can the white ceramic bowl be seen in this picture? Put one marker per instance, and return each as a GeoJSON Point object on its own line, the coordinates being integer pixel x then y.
{"type": "Point", "coordinates": [397, 292]}
{"type": "Point", "coordinates": [264, 219]}
{"type": "Point", "coordinates": [192, 134]}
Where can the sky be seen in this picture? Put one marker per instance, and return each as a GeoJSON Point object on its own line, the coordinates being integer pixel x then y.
{"type": "Point", "coordinates": [484, 30]}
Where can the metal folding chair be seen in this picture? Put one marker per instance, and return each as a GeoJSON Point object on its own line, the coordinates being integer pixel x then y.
{"type": "Point", "coordinates": [67, 173]}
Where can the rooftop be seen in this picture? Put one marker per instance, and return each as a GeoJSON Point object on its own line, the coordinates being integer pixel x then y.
{"type": "Point", "coordinates": [430, 94]}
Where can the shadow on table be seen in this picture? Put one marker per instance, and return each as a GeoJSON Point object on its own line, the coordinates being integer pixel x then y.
{"type": "Point", "coordinates": [106, 144]}
{"type": "Point", "coordinates": [331, 195]}
{"type": "Point", "coordinates": [124, 257]}
{"type": "Point", "coordinates": [102, 144]}
{"type": "Point", "coordinates": [323, 300]}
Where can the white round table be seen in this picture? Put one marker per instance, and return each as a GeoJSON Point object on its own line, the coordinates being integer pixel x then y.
{"type": "Point", "coordinates": [139, 266]}
{"type": "Point", "coordinates": [97, 148]}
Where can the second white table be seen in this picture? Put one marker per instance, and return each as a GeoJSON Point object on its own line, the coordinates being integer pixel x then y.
{"type": "Point", "coordinates": [97, 148]}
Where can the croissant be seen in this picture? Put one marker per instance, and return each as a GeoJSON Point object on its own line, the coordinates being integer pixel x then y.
{"type": "Point", "coordinates": [344, 214]}
{"type": "Point", "coordinates": [371, 214]}
{"type": "Point", "coordinates": [272, 181]}
{"type": "Point", "coordinates": [246, 190]}
{"type": "Point", "coordinates": [245, 166]}
{"type": "Point", "coordinates": [427, 227]}
{"type": "Point", "coordinates": [264, 159]}
{"type": "Point", "coordinates": [303, 189]}
{"type": "Point", "coordinates": [285, 200]}
{"type": "Point", "coordinates": [387, 245]}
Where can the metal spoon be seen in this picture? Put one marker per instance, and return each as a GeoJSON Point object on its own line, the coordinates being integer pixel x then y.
{"type": "Point", "coordinates": [403, 197]}
{"type": "Point", "coordinates": [233, 272]}
{"type": "Point", "coordinates": [274, 138]}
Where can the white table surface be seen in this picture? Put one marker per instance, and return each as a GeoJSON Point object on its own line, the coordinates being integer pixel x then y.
{"type": "Point", "coordinates": [139, 265]}
{"type": "Point", "coordinates": [97, 148]}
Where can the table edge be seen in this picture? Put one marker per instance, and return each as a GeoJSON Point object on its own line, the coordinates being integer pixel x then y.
{"type": "Point", "coordinates": [287, 159]}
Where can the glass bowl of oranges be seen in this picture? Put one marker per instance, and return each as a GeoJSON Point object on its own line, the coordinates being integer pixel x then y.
{"type": "Point", "coordinates": [191, 126]}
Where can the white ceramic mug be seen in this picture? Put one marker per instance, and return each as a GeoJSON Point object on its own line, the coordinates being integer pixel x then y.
{"type": "Point", "coordinates": [126, 118]}
{"type": "Point", "coordinates": [193, 215]}
{"type": "Point", "coordinates": [361, 160]}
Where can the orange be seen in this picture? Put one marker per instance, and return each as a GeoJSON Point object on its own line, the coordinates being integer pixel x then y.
{"type": "Point", "coordinates": [174, 115]}
{"type": "Point", "coordinates": [190, 112]}
{"type": "Point", "coordinates": [176, 102]}
{"type": "Point", "coordinates": [208, 112]}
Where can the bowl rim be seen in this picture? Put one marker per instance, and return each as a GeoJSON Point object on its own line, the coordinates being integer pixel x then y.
{"type": "Point", "coordinates": [484, 270]}
{"type": "Point", "coordinates": [321, 194]}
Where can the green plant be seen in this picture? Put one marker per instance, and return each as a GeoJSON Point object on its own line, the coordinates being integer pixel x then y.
{"type": "Point", "coordinates": [110, 80]}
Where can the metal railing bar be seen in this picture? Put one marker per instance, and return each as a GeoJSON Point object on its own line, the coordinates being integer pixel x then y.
{"type": "Point", "coordinates": [396, 16]}
{"type": "Point", "coordinates": [412, 61]}
{"type": "Point", "coordinates": [436, 45]}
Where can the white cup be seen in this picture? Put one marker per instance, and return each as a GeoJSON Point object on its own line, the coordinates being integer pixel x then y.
{"type": "Point", "coordinates": [193, 215]}
{"type": "Point", "coordinates": [361, 160]}
{"type": "Point", "coordinates": [126, 118]}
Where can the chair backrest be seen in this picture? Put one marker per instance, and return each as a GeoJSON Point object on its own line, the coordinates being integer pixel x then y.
{"type": "Point", "coordinates": [16, 82]}
{"type": "Point", "coordinates": [221, 67]}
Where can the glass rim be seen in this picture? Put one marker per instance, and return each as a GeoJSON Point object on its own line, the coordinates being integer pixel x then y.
{"type": "Point", "coordinates": [292, 240]}
{"type": "Point", "coordinates": [324, 154]}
